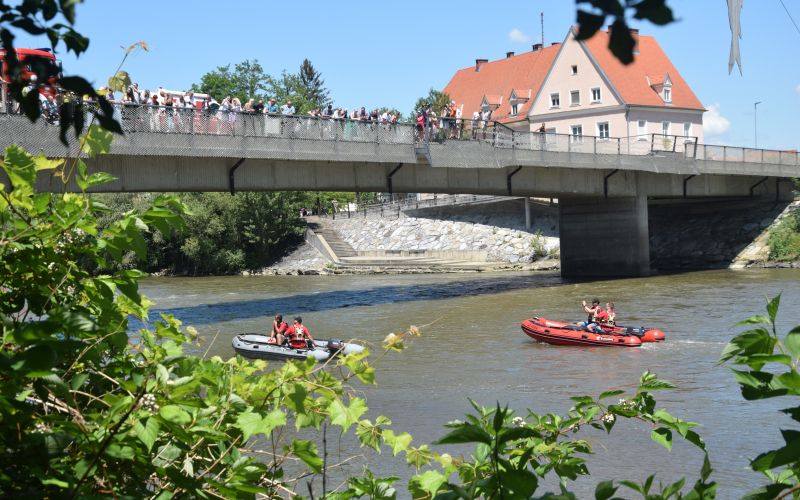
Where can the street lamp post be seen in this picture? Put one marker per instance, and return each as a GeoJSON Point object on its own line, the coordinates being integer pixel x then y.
{"type": "Point", "coordinates": [755, 121]}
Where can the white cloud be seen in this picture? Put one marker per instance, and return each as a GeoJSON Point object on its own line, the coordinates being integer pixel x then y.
{"type": "Point", "coordinates": [518, 36]}
{"type": "Point", "coordinates": [713, 122]}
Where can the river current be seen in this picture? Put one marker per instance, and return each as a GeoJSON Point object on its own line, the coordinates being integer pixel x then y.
{"type": "Point", "coordinates": [472, 347]}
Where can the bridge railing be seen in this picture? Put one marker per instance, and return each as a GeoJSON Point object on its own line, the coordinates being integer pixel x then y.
{"type": "Point", "coordinates": [184, 120]}
{"type": "Point", "coordinates": [751, 155]}
{"type": "Point", "coordinates": [501, 136]}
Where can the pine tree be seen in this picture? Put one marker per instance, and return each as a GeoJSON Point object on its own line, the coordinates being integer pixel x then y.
{"type": "Point", "coordinates": [312, 86]}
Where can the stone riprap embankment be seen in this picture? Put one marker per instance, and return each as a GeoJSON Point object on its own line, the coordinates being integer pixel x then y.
{"type": "Point", "coordinates": [493, 232]}
{"type": "Point", "coordinates": [712, 234]}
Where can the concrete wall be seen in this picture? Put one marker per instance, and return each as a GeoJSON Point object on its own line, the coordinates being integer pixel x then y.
{"type": "Point", "coordinates": [604, 237]}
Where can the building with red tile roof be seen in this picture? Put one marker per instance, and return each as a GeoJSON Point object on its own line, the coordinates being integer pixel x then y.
{"type": "Point", "coordinates": [490, 84]}
{"type": "Point", "coordinates": [580, 88]}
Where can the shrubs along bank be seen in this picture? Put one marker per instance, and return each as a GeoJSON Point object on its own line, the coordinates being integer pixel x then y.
{"type": "Point", "coordinates": [223, 234]}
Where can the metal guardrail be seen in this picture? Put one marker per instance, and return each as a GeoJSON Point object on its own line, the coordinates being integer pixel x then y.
{"type": "Point", "coordinates": [441, 130]}
{"type": "Point", "coordinates": [394, 208]}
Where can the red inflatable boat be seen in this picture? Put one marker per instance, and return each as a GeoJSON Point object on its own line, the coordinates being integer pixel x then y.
{"type": "Point", "coordinates": [555, 332]}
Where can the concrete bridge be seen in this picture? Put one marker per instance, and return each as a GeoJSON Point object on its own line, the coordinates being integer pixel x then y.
{"type": "Point", "coordinates": [603, 185]}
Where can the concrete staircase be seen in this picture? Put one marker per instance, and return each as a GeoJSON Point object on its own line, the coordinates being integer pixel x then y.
{"type": "Point", "coordinates": [341, 249]}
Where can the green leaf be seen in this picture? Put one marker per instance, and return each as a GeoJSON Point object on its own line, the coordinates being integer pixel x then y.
{"type": "Point", "coordinates": [426, 484]}
{"type": "Point", "coordinates": [609, 394]}
{"type": "Point", "coordinates": [772, 308]}
{"type": "Point", "coordinates": [251, 423]}
{"type": "Point", "coordinates": [147, 433]}
{"type": "Point", "coordinates": [792, 342]}
{"type": "Point", "coordinates": [97, 141]}
{"type": "Point", "coordinates": [307, 452]}
{"type": "Point", "coordinates": [776, 458]}
{"type": "Point", "coordinates": [345, 416]}
{"type": "Point", "coordinates": [605, 490]}
{"type": "Point", "coordinates": [662, 436]}
{"type": "Point", "coordinates": [519, 483]}
{"type": "Point", "coordinates": [589, 24]}
{"type": "Point", "coordinates": [466, 433]}
{"type": "Point", "coordinates": [175, 414]}
{"type": "Point", "coordinates": [398, 442]}
{"type": "Point", "coordinates": [119, 82]}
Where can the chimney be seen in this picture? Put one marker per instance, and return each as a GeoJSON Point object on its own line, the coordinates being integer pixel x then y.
{"type": "Point", "coordinates": [509, 54]}
{"type": "Point", "coordinates": [479, 63]}
{"type": "Point", "coordinates": [536, 47]}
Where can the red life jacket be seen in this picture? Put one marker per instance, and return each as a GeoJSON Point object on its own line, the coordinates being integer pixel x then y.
{"type": "Point", "coordinates": [297, 336]}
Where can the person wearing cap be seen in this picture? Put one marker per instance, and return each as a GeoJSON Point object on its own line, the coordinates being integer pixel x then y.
{"type": "Point", "coordinates": [594, 311]}
{"type": "Point", "coordinates": [298, 334]}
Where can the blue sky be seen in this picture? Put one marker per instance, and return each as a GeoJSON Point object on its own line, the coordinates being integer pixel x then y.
{"type": "Point", "coordinates": [390, 53]}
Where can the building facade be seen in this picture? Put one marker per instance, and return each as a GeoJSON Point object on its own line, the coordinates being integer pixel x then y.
{"type": "Point", "coordinates": [579, 88]}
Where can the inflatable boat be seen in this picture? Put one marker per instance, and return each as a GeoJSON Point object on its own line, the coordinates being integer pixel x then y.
{"type": "Point", "coordinates": [255, 345]}
{"type": "Point", "coordinates": [555, 332]}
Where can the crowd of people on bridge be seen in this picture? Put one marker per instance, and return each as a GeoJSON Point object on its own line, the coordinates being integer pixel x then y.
{"type": "Point", "coordinates": [169, 111]}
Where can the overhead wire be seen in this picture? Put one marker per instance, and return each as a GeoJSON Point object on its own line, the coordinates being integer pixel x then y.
{"type": "Point", "coordinates": [790, 17]}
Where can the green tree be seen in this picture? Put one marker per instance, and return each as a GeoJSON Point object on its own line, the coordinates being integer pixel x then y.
{"type": "Point", "coordinates": [246, 81]}
{"type": "Point", "coordinates": [436, 98]}
{"type": "Point", "coordinates": [312, 86]}
{"type": "Point", "coordinates": [288, 87]}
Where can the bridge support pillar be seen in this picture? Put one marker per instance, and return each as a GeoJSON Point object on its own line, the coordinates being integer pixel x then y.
{"type": "Point", "coordinates": [604, 237]}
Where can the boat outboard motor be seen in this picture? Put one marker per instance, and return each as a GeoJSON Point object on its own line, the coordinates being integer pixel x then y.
{"type": "Point", "coordinates": [335, 345]}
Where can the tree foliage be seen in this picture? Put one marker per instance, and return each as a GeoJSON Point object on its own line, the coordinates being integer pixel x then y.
{"type": "Point", "coordinates": [621, 43]}
{"type": "Point", "coordinates": [247, 80]}
{"type": "Point", "coordinates": [312, 86]}
{"type": "Point", "coordinates": [435, 98]}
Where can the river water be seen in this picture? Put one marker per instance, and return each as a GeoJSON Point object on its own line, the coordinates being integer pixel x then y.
{"type": "Point", "coordinates": [472, 347]}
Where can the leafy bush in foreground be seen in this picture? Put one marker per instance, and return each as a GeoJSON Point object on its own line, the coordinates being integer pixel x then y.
{"type": "Point", "coordinates": [89, 410]}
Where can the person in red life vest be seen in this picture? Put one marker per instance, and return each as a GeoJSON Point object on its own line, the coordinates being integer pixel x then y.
{"type": "Point", "coordinates": [279, 328]}
{"type": "Point", "coordinates": [608, 317]}
{"type": "Point", "coordinates": [298, 334]}
{"type": "Point", "coordinates": [594, 311]}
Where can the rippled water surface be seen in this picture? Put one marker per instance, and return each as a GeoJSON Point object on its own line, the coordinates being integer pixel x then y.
{"type": "Point", "coordinates": [472, 347]}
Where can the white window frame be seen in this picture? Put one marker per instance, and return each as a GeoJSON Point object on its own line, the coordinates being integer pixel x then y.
{"type": "Point", "coordinates": [576, 134]}
{"type": "Point", "coordinates": [687, 129]}
{"type": "Point", "coordinates": [641, 129]}
{"type": "Point", "coordinates": [667, 94]}
{"type": "Point", "coordinates": [514, 109]}
{"type": "Point", "coordinates": [599, 95]}
{"type": "Point", "coordinates": [600, 135]}
{"type": "Point", "coordinates": [571, 100]}
{"type": "Point", "coordinates": [574, 69]}
{"type": "Point", "coordinates": [556, 104]}
{"type": "Point", "coordinates": [665, 128]}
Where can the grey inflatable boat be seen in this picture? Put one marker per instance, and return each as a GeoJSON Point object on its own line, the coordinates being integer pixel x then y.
{"type": "Point", "coordinates": [255, 345]}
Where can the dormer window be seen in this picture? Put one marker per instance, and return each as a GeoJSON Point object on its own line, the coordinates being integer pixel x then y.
{"type": "Point", "coordinates": [662, 87]}
{"type": "Point", "coordinates": [514, 109]}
